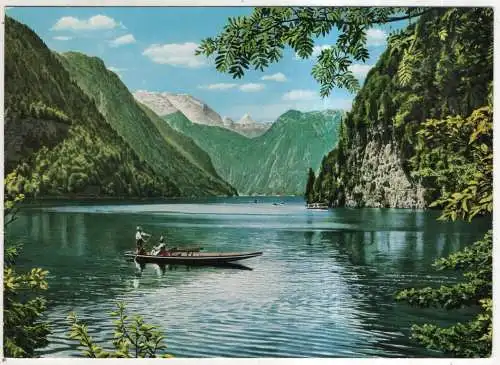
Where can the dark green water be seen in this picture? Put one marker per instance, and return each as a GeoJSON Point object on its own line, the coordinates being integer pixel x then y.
{"type": "Point", "coordinates": [323, 288]}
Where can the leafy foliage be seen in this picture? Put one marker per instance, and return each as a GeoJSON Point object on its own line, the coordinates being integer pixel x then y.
{"type": "Point", "coordinates": [23, 328]}
{"type": "Point", "coordinates": [133, 338]}
{"type": "Point", "coordinates": [456, 154]}
{"type": "Point", "coordinates": [470, 339]}
{"type": "Point", "coordinates": [259, 39]}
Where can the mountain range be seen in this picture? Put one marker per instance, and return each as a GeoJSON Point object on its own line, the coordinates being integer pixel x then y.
{"type": "Point", "coordinates": [164, 103]}
{"type": "Point", "coordinates": [256, 158]}
{"type": "Point", "coordinates": [274, 163]}
{"type": "Point", "coordinates": [72, 128]}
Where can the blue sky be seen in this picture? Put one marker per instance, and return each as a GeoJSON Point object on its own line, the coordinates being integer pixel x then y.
{"type": "Point", "coordinates": [152, 49]}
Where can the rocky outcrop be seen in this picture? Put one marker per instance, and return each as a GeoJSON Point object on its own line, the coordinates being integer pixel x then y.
{"type": "Point", "coordinates": [167, 103]}
{"type": "Point", "coordinates": [249, 127]}
{"type": "Point", "coordinates": [228, 122]}
{"type": "Point", "coordinates": [195, 110]}
{"type": "Point", "coordinates": [379, 179]}
{"type": "Point", "coordinates": [198, 112]}
{"type": "Point", "coordinates": [246, 120]}
{"type": "Point", "coordinates": [157, 102]}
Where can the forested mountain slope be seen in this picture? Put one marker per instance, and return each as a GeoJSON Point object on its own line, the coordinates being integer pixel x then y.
{"type": "Point", "coordinates": [441, 66]}
{"type": "Point", "coordinates": [273, 163]}
{"type": "Point", "coordinates": [58, 143]}
{"type": "Point", "coordinates": [165, 150]}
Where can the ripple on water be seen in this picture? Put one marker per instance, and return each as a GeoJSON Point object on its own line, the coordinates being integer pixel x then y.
{"type": "Point", "coordinates": [323, 288]}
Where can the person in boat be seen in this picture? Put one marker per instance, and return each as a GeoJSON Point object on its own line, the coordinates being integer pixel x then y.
{"type": "Point", "coordinates": [140, 239]}
{"type": "Point", "coordinates": [156, 250]}
{"type": "Point", "coordinates": [162, 250]}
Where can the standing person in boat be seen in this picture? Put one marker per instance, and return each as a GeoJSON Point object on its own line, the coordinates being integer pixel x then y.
{"type": "Point", "coordinates": [140, 239]}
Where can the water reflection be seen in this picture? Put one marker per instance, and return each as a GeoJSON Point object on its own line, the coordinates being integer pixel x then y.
{"type": "Point", "coordinates": [324, 286]}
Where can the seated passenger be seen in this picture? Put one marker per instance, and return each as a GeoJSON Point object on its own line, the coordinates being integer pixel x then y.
{"type": "Point", "coordinates": [162, 251]}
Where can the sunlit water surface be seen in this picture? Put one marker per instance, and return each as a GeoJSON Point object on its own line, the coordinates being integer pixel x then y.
{"type": "Point", "coordinates": [324, 286]}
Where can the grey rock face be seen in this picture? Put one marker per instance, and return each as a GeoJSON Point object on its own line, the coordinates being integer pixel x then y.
{"type": "Point", "coordinates": [379, 179]}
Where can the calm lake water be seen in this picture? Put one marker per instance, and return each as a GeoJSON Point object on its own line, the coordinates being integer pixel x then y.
{"type": "Point", "coordinates": [323, 288]}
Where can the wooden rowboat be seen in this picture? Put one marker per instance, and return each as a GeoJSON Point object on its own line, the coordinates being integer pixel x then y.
{"type": "Point", "coordinates": [193, 258]}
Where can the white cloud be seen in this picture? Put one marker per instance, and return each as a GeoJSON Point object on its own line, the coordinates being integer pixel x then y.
{"type": "Point", "coordinates": [300, 94]}
{"type": "Point", "coordinates": [278, 77]}
{"type": "Point", "coordinates": [251, 88]}
{"type": "Point", "coordinates": [316, 51]}
{"type": "Point", "coordinates": [175, 54]}
{"type": "Point", "coordinates": [219, 86]}
{"type": "Point", "coordinates": [93, 23]}
{"type": "Point", "coordinates": [375, 37]}
{"type": "Point", "coordinates": [62, 38]}
{"type": "Point", "coordinates": [248, 88]}
{"type": "Point", "coordinates": [359, 70]}
{"type": "Point", "coordinates": [120, 41]}
{"type": "Point", "coordinates": [116, 69]}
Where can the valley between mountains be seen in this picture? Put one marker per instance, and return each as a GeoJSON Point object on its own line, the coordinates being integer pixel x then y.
{"type": "Point", "coordinates": [72, 128]}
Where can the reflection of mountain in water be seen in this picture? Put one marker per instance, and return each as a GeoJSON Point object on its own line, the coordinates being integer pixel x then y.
{"type": "Point", "coordinates": [324, 286]}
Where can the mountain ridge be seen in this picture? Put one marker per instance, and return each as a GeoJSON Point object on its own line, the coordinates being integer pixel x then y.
{"type": "Point", "coordinates": [275, 163]}
{"type": "Point", "coordinates": [197, 111]}
{"type": "Point", "coordinates": [122, 111]}
{"type": "Point", "coordinates": [63, 139]}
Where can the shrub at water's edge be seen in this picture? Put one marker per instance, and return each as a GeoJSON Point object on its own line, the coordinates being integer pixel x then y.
{"type": "Point", "coordinates": [133, 338]}
{"type": "Point", "coordinates": [459, 153]}
{"type": "Point", "coordinates": [24, 327]}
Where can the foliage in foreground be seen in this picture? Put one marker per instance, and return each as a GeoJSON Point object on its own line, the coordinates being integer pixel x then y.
{"type": "Point", "coordinates": [133, 338]}
{"type": "Point", "coordinates": [460, 153]}
{"type": "Point", "coordinates": [23, 328]}
{"type": "Point", "coordinates": [456, 154]}
{"type": "Point", "coordinates": [258, 40]}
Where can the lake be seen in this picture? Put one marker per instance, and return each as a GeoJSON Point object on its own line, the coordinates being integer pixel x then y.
{"type": "Point", "coordinates": [324, 286]}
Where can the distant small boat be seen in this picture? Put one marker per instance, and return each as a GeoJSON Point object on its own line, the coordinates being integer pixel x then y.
{"type": "Point", "coordinates": [318, 206]}
{"type": "Point", "coordinates": [192, 258]}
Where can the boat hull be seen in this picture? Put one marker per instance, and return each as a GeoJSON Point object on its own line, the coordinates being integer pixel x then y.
{"type": "Point", "coordinates": [195, 259]}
